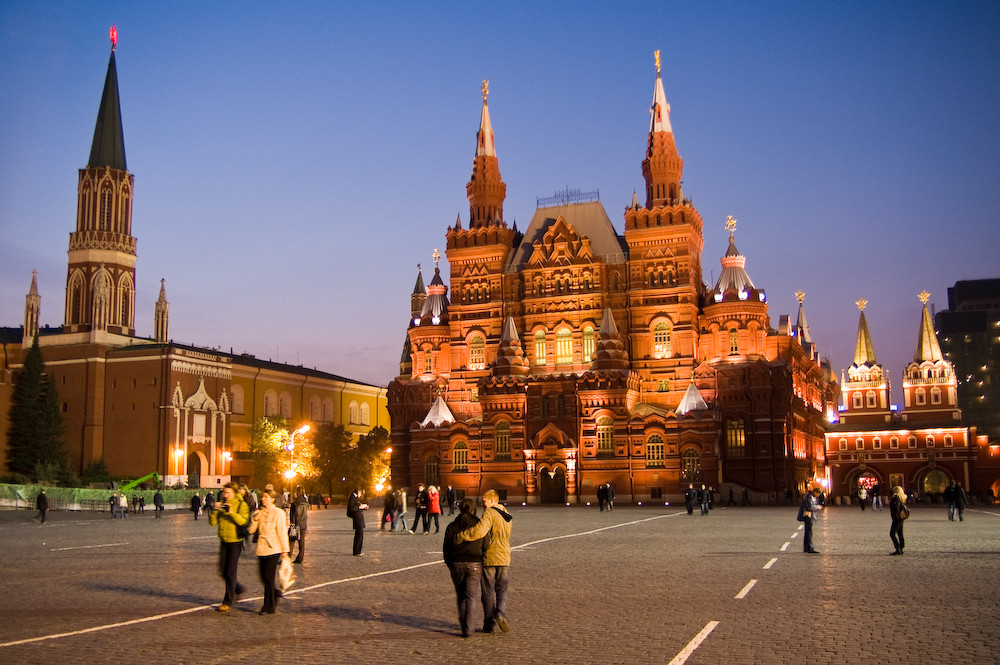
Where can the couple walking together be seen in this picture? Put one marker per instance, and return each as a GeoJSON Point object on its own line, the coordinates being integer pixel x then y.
{"type": "Point", "coordinates": [477, 552]}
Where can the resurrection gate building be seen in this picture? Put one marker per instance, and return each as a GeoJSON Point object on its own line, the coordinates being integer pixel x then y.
{"type": "Point", "coordinates": [570, 356]}
{"type": "Point", "coordinates": [149, 404]}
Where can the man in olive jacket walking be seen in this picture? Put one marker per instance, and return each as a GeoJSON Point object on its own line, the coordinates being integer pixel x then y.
{"type": "Point", "coordinates": [495, 526]}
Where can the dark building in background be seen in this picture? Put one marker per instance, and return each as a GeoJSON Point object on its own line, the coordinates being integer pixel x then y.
{"type": "Point", "coordinates": [969, 331]}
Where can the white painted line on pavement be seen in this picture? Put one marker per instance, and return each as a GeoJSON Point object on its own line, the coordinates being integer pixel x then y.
{"type": "Point", "coordinates": [745, 590]}
{"type": "Point", "coordinates": [794, 535]}
{"type": "Point", "coordinates": [801, 526]}
{"type": "Point", "coordinates": [291, 592]}
{"type": "Point", "coordinates": [94, 629]}
{"type": "Point", "coordinates": [767, 566]}
{"type": "Point", "coordinates": [686, 652]}
{"type": "Point", "coordinates": [784, 547]}
{"type": "Point", "coordinates": [85, 547]}
{"type": "Point", "coordinates": [214, 535]}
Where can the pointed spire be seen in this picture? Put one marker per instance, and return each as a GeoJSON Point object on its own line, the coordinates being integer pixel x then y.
{"type": "Point", "coordinates": [510, 356]}
{"type": "Point", "coordinates": [32, 310]}
{"type": "Point", "coordinates": [800, 323]}
{"type": "Point", "coordinates": [486, 191]}
{"type": "Point", "coordinates": [108, 148]}
{"type": "Point", "coordinates": [928, 348]}
{"type": "Point", "coordinates": [458, 222]}
{"type": "Point", "coordinates": [161, 317]}
{"type": "Point", "coordinates": [662, 167]}
{"type": "Point", "coordinates": [435, 307]}
{"type": "Point", "coordinates": [692, 400]}
{"type": "Point", "coordinates": [609, 352]}
{"type": "Point", "coordinates": [864, 351]}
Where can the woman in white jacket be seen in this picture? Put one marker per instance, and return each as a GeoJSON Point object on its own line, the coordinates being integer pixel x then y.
{"type": "Point", "coordinates": [271, 526]}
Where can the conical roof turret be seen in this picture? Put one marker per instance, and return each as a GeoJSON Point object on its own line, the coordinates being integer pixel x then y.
{"type": "Point", "coordinates": [435, 308]}
{"type": "Point", "coordinates": [486, 190]}
{"type": "Point", "coordinates": [734, 283]}
{"type": "Point", "coordinates": [864, 350]}
{"type": "Point", "coordinates": [609, 352]}
{"type": "Point", "coordinates": [928, 348]}
{"type": "Point", "coordinates": [108, 148]}
{"type": "Point", "coordinates": [510, 358]}
{"type": "Point", "coordinates": [662, 167]}
{"type": "Point", "coordinates": [692, 400]}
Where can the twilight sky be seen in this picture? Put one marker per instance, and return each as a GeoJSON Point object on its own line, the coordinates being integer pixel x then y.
{"type": "Point", "coordinates": [294, 161]}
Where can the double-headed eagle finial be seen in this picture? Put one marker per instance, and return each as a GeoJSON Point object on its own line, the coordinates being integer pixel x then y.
{"type": "Point", "coordinates": [861, 304]}
{"type": "Point", "coordinates": [924, 297]}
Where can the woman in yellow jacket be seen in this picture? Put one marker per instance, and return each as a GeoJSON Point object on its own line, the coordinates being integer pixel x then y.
{"type": "Point", "coordinates": [271, 526]}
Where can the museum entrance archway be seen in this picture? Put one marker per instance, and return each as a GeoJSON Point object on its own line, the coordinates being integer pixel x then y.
{"type": "Point", "coordinates": [552, 485]}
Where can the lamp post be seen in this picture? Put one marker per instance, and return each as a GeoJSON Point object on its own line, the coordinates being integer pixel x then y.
{"type": "Point", "coordinates": [291, 451]}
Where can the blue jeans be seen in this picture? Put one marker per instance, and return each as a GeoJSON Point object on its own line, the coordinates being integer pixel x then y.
{"type": "Point", "coordinates": [495, 581]}
{"type": "Point", "coordinates": [466, 576]}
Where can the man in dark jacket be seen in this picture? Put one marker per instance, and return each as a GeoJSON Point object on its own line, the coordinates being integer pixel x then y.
{"type": "Point", "coordinates": [421, 503]}
{"type": "Point", "coordinates": [465, 561]}
{"type": "Point", "coordinates": [158, 504]}
{"type": "Point", "coordinates": [42, 504]}
{"type": "Point", "coordinates": [300, 517]}
{"type": "Point", "coordinates": [355, 510]}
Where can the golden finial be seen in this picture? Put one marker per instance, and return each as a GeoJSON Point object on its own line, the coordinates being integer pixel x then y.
{"type": "Point", "coordinates": [730, 223]}
{"type": "Point", "coordinates": [924, 297]}
{"type": "Point", "coordinates": [800, 296]}
{"type": "Point", "coordinates": [861, 304]}
{"type": "Point", "coordinates": [486, 89]}
{"type": "Point", "coordinates": [656, 56]}
{"type": "Point", "coordinates": [437, 257]}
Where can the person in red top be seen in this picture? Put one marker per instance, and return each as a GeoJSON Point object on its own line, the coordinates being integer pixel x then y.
{"type": "Point", "coordinates": [433, 509]}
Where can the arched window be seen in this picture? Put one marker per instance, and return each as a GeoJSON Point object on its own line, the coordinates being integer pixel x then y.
{"type": "Point", "coordinates": [859, 400]}
{"type": "Point", "coordinates": [539, 286]}
{"type": "Point", "coordinates": [877, 443]}
{"type": "Point", "coordinates": [654, 451]}
{"type": "Point", "coordinates": [237, 399]}
{"type": "Point", "coordinates": [365, 417]}
{"type": "Point", "coordinates": [859, 443]}
{"type": "Point", "coordinates": [327, 410]}
{"type": "Point", "coordinates": [501, 440]}
{"type": "Point", "coordinates": [736, 443]}
{"type": "Point", "coordinates": [353, 414]}
{"type": "Point", "coordinates": [270, 403]}
{"type": "Point", "coordinates": [734, 341]}
{"type": "Point", "coordinates": [431, 470]}
{"type": "Point", "coordinates": [935, 395]}
{"type": "Point", "coordinates": [930, 440]}
{"type": "Point", "coordinates": [540, 347]}
{"type": "Point", "coordinates": [315, 408]}
{"type": "Point", "coordinates": [920, 397]}
{"type": "Point", "coordinates": [477, 352]}
{"type": "Point", "coordinates": [605, 436]}
{"type": "Point", "coordinates": [948, 441]}
{"type": "Point", "coordinates": [461, 456]}
{"type": "Point", "coordinates": [911, 442]}
{"type": "Point", "coordinates": [564, 347]}
{"type": "Point", "coordinates": [691, 465]}
{"type": "Point", "coordinates": [427, 361]}
{"type": "Point", "coordinates": [661, 340]}
{"type": "Point", "coordinates": [285, 405]}
{"type": "Point", "coordinates": [871, 399]}
{"type": "Point", "coordinates": [843, 444]}
{"type": "Point", "coordinates": [588, 344]}
{"type": "Point", "coordinates": [894, 442]}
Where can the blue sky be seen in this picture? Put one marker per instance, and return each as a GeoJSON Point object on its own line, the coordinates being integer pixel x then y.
{"type": "Point", "coordinates": [293, 162]}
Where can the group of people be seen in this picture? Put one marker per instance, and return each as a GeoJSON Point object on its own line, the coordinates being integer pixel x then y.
{"type": "Point", "coordinates": [812, 504]}
{"type": "Point", "coordinates": [871, 496]}
{"type": "Point", "coordinates": [606, 496]}
{"type": "Point", "coordinates": [702, 496]}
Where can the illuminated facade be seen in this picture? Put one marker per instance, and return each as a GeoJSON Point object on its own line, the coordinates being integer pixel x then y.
{"type": "Point", "coordinates": [570, 356]}
{"type": "Point", "coordinates": [144, 404]}
{"type": "Point", "coordinates": [921, 448]}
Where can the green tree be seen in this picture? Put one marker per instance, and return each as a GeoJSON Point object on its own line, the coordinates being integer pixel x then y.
{"type": "Point", "coordinates": [368, 462]}
{"type": "Point", "coordinates": [35, 433]}
{"type": "Point", "coordinates": [269, 437]}
{"type": "Point", "coordinates": [333, 443]}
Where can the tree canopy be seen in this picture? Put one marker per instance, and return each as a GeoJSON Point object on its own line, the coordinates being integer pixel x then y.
{"type": "Point", "coordinates": [35, 445]}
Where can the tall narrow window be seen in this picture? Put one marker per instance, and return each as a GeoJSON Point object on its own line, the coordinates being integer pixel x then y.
{"type": "Point", "coordinates": [654, 451]}
{"type": "Point", "coordinates": [477, 352]}
{"type": "Point", "coordinates": [661, 340]}
{"type": "Point", "coordinates": [734, 341]}
{"type": "Point", "coordinates": [461, 456]}
{"type": "Point", "coordinates": [431, 467]}
{"type": "Point", "coordinates": [353, 414]}
{"type": "Point", "coordinates": [564, 347]}
{"type": "Point", "coordinates": [365, 410]}
{"type": "Point", "coordinates": [588, 344]}
{"type": "Point", "coordinates": [540, 347]}
{"type": "Point", "coordinates": [736, 444]}
{"type": "Point", "coordinates": [501, 440]}
{"type": "Point", "coordinates": [427, 361]}
{"type": "Point", "coordinates": [105, 216]}
{"type": "Point", "coordinates": [605, 436]}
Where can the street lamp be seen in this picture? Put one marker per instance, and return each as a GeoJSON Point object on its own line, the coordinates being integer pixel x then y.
{"type": "Point", "coordinates": [291, 451]}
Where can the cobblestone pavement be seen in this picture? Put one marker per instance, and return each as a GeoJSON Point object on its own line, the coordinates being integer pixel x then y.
{"type": "Point", "coordinates": [637, 585]}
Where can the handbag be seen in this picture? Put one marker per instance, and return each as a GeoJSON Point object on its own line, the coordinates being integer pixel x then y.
{"type": "Point", "coordinates": [293, 532]}
{"type": "Point", "coordinates": [286, 574]}
{"type": "Point", "coordinates": [904, 512]}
